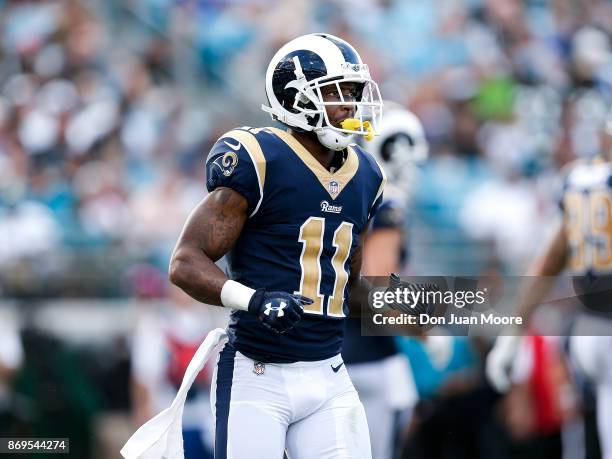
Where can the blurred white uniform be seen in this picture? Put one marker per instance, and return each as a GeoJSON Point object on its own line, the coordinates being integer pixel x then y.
{"type": "Point", "coordinates": [592, 356]}
{"type": "Point", "coordinates": [587, 209]}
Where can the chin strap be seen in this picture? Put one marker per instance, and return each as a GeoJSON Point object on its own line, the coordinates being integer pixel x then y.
{"type": "Point", "coordinates": [333, 139]}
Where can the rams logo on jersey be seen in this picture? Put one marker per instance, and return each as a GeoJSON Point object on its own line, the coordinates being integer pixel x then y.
{"type": "Point", "coordinates": [227, 163]}
{"type": "Point", "coordinates": [327, 207]}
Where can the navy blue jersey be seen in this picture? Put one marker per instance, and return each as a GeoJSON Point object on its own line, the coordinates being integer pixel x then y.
{"type": "Point", "coordinates": [363, 349]}
{"type": "Point", "coordinates": [389, 215]}
{"type": "Point", "coordinates": [587, 216]}
{"type": "Point", "coordinates": [392, 214]}
{"type": "Point", "coordinates": [303, 226]}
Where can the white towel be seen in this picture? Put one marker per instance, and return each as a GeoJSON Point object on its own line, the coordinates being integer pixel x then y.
{"type": "Point", "coordinates": [161, 437]}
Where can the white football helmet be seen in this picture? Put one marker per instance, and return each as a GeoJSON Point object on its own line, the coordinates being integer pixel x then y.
{"type": "Point", "coordinates": [298, 72]}
{"type": "Point", "coordinates": [400, 145]}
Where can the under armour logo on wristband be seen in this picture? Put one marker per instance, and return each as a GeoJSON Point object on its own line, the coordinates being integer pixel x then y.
{"type": "Point", "coordinates": [276, 307]}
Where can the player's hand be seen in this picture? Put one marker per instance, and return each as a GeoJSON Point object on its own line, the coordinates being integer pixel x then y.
{"type": "Point", "coordinates": [500, 360]}
{"type": "Point", "coordinates": [412, 308]}
{"type": "Point", "coordinates": [278, 311]}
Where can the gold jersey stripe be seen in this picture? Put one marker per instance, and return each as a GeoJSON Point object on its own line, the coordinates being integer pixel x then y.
{"type": "Point", "coordinates": [383, 182]}
{"type": "Point", "coordinates": [252, 147]}
{"type": "Point", "coordinates": [343, 239]}
{"type": "Point", "coordinates": [311, 236]}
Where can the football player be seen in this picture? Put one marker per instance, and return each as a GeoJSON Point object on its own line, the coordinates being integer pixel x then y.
{"type": "Point", "coordinates": [582, 244]}
{"type": "Point", "coordinates": [374, 361]}
{"type": "Point", "coordinates": [289, 209]}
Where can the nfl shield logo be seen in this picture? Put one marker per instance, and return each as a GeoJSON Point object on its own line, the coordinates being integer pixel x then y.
{"type": "Point", "coordinates": [259, 368]}
{"type": "Point", "coordinates": [334, 187]}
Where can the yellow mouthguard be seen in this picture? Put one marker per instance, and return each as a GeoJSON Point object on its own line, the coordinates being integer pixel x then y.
{"type": "Point", "coordinates": [368, 127]}
{"type": "Point", "coordinates": [353, 124]}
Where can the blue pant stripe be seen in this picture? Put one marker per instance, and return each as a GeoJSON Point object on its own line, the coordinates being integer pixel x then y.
{"type": "Point", "coordinates": [225, 373]}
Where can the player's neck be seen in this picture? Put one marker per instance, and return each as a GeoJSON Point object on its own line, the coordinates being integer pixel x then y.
{"type": "Point", "coordinates": [309, 141]}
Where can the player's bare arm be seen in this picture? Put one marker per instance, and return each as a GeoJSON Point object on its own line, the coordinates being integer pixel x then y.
{"type": "Point", "coordinates": [6, 373]}
{"type": "Point", "coordinates": [381, 253]}
{"type": "Point", "coordinates": [536, 287]}
{"type": "Point", "coordinates": [541, 272]}
{"type": "Point", "coordinates": [209, 233]}
{"type": "Point", "coordinates": [359, 287]}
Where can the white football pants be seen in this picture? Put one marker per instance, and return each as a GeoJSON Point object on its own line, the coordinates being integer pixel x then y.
{"type": "Point", "coordinates": [306, 408]}
{"type": "Point", "coordinates": [386, 389]}
{"type": "Point", "coordinates": [593, 357]}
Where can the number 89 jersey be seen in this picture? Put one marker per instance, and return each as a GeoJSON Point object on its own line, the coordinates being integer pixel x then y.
{"type": "Point", "coordinates": [303, 226]}
{"type": "Point", "coordinates": [587, 212]}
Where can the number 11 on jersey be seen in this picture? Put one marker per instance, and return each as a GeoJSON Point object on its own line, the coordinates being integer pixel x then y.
{"type": "Point", "coordinates": [311, 237]}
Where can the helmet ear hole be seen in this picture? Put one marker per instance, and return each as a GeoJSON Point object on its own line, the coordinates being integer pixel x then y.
{"type": "Point", "coordinates": [307, 105]}
{"type": "Point", "coordinates": [386, 150]}
{"type": "Point", "coordinates": [312, 119]}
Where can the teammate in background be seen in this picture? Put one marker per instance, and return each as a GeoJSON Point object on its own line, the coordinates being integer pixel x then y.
{"type": "Point", "coordinates": [289, 208]}
{"type": "Point", "coordinates": [581, 244]}
{"type": "Point", "coordinates": [373, 361]}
